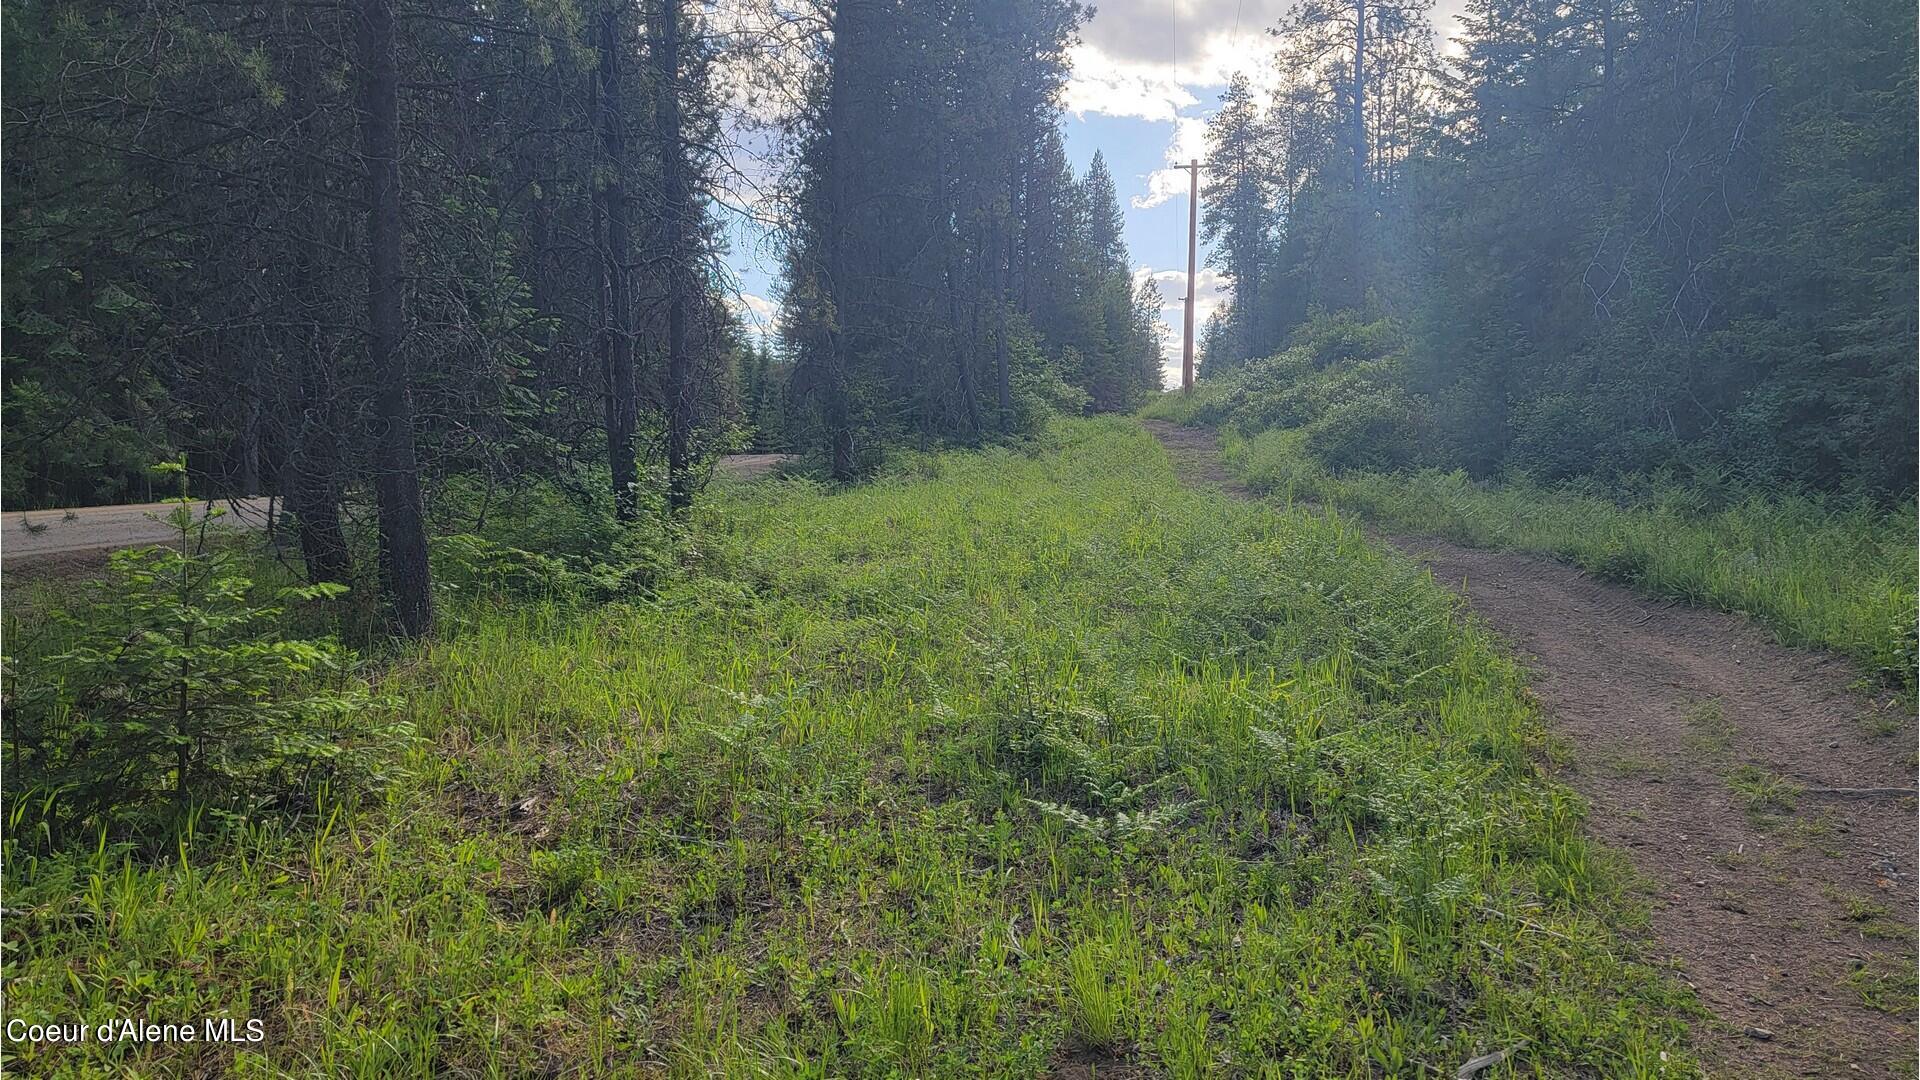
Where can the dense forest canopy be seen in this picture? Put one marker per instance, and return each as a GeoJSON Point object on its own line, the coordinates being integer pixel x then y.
{"type": "Point", "coordinates": [362, 254]}
{"type": "Point", "coordinates": [345, 253]}
{"type": "Point", "coordinates": [1611, 237]}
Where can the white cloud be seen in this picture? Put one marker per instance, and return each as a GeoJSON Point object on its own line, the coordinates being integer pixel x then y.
{"type": "Point", "coordinates": [1447, 15]}
{"type": "Point", "coordinates": [759, 308]}
{"type": "Point", "coordinates": [759, 313]}
{"type": "Point", "coordinates": [1145, 58]}
{"type": "Point", "coordinates": [1189, 143]}
{"type": "Point", "coordinates": [1101, 84]}
{"type": "Point", "coordinates": [1215, 288]}
{"type": "Point", "coordinates": [1192, 37]}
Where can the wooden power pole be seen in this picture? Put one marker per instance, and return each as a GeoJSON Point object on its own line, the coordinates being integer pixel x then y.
{"type": "Point", "coordinates": [1193, 249]}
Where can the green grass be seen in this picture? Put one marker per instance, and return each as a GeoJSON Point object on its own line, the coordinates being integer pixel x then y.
{"type": "Point", "coordinates": [999, 759]}
{"type": "Point", "coordinates": [1205, 405]}
{"type": "Point", "coordinates": [1816, 574]}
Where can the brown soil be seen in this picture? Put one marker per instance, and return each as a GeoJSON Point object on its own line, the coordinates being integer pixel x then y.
{"type": "Point", "coordinates": [752, 466]}
{"type": "Point", "coordinates": [53, 565]}
{"type": "Point", "coordinates": [1681, 723]}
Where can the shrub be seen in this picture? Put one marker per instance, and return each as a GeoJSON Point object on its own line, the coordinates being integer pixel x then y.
{"type": "Point", "coordinates": [178, 693]}
{"type": "Point", "coordinates": [1376, 430]}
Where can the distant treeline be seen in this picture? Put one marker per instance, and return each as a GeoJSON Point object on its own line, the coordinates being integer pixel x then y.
{"type": "Point", "coordinates": [1610, 237]}
{"type": "Point", "coordinates": [348, 252]}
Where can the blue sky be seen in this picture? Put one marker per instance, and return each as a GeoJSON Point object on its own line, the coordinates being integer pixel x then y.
{"type": "Point", "coordinates": [1156, 227]}
{"type": "Point", "coordinates": [1145, 76]}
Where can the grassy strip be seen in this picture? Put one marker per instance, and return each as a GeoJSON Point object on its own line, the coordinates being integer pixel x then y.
{"type": "Point", "coordinates": [1206, 405]}
{"type": "Point", "coordinates": [1841, 579]}
{"type": "Point", "coordinates": [1000, 765]}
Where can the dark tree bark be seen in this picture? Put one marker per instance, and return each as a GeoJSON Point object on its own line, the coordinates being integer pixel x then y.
{"type": "Point", "coordinates": [1359, 101]}
{"type": "Point", "coordinates": [1359, 225]}
{"type": "Point", "coordinates": [1002, 297]}
{"type": "Point", "coordinates": [312, 489]}
{"type": "Point", "coordinates": [403, 536]}
{"type": "Point", "coordinates": [838, 414]}
{"type": "Point", "coordinates": [623, 397]}
{"type": "Point", "coordinates": [247, 479]}
{"type": "Point", "coordinates": [308, 478]}
{"type": "Point", "coordinates": [677, 215]}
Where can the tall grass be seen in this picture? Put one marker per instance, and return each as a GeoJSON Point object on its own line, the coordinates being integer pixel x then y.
{"type": "Point", "coordinates": [1001, 759]}
{"type": "Point", "coordinates": [1840, 577]}
{"type": "Point", "coordinates": [1206, 404]}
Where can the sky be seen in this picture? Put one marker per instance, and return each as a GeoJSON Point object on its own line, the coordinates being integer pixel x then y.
{"type": "Point", "coordinates": [1145, 77]}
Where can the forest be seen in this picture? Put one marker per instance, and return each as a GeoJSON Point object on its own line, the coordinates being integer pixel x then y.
{"type": "Point", "coordinates": [1616, 238]}
{"type": "Point", "coordinates": [452, 625]}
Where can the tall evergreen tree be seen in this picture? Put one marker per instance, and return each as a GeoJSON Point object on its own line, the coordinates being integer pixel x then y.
{"type": "Point", "coordinates": [1238, 218]}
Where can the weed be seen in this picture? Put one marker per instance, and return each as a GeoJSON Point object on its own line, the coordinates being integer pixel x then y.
{"type": "Point", "coordinates": [1817, 572]}
{"type": "Point", "coordinates": [1891, 989]}
{"type": "Point", "coordinates": [1763, 793]}
{"type": "Point", "coordinates": [784, 824]}
{"type": "Point", "coordinates": [1709, 732]}
{"type": "Point", "coordinates": [1093, 1006]}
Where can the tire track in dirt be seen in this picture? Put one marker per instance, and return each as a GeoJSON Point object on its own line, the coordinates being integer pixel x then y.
{"type": "Point", "coordinates": [1690, 731]}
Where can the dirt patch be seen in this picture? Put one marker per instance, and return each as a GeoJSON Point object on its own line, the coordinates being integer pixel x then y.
{"type": "Point", "coordinates": [1730, 771]}
{"type": "Point", "coordinates": [752, 466]}
{"type": "Point", "coordinates": [1092, 1063]}
{"type": "Point", "coordinates": [54, 565]}
{"type": "Point", "coordinates": [1196, 457]}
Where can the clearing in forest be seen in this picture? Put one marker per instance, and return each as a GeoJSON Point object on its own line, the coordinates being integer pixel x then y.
{"type": "Point", "coordinates": [1763, 795]}
{"type": "Point", "coordinates": [1008, 764]}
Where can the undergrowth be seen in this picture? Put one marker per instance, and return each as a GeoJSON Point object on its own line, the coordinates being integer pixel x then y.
{"type": "Point", "coordinates": [1817, 574]}
{"type": "Point", "coordinates": [1004, 759]}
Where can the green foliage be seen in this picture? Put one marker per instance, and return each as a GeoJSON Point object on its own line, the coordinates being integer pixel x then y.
{"type": "Point", "coordinates": [1821, 572]}
{"type": "Point", "coordinates": [1340, 382]}
{"type": "Point", "coordinates": [1574, 303]}
{"type": "Point", "coordinates": [780, 817]}
{"type": "Point", "coordinates": [178, 692]}
{"type": "Point", "coordinates": [543, 541]}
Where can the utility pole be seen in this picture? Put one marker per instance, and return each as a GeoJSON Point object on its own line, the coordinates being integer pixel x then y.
{"type": "Point", "coordinates": [1193, 249]}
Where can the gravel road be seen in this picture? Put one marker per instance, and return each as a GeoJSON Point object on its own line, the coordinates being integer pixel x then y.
{"type": "Point", "coordinates": [46, 539]}
{"type": "Point", "coordinates": [35, 535]}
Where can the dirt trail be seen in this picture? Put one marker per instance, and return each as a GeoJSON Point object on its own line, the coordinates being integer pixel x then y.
{"type": "Point", "coordinates": [1689, 732]}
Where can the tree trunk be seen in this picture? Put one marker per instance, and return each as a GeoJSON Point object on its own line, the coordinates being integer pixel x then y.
{"type": "Point", "coordinates": [839, 267]}
{"type": "Point", "coordinates": [1359, 151]}
{"type": "Point", "coordinates": [677, 216]}
{"type": "Point", "coordinates": [247, 481]}
{"type": "Point", "coordinates": [1359, 100]}
{"type": "Point", "coordinates": [622, 394]}
{"type": "Point", "coordinates": [310, 485]}
{"type": "Point", "coordinates": [403, 535]}
{"type": "Point", "coordinates": [313, 490]}
{"type": "Point", "coordinates": [1002, 269]}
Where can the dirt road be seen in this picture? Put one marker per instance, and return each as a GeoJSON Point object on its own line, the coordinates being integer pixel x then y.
{"type": "Point", "coordinates": [37, 537]}
{"type": "Point", "coordinates": [1755, 788]}
{"type": "Point", "coordinates": [79, 539]}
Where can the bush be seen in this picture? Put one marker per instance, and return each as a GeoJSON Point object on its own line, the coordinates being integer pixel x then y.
{"type": "Point", "coordinates": [1341, 384]}
{"type": "Point", "coordinates": [1372, 431]}
{"type": "Point", "coordinates": [1565, 437]}
{"type": "Point", "coordinates": [176, 693]}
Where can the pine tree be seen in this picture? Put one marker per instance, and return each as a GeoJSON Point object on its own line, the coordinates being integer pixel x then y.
{"type": "Point", "coordinates": [1238, 218]}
